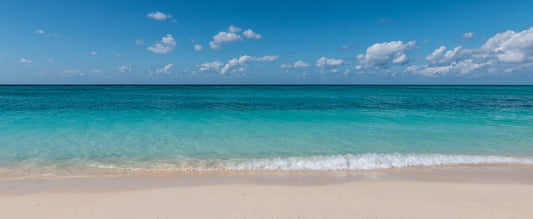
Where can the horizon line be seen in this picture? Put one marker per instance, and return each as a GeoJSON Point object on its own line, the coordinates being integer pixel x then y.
{"type": "Point", "coordinates": [251, 84]}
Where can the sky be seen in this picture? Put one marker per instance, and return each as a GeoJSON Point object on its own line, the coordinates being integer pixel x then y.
{"type": "Point", "coordinates": [266, 42]}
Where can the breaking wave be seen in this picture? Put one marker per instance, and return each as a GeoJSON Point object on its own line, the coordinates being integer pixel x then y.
{"type": "Point", "coordinates": [330, 162]}
{"type": "Point", "coordinates": [366, 161]}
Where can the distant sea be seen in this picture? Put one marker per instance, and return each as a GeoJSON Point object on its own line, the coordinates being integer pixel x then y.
{"type": "Point", "coordinates": [71, 130]}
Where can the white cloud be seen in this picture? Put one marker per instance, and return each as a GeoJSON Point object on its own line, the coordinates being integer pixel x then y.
{"type": "Point", "coordinates": [51, 60]}
{"type": "Point", "coordinates": [93, 53]}
{"type": "Point", "coordinates": [210, 66]}
{"type": "Point", "coordinates": [124, 68]}
{"type": "Point", "coordinates": [23, 60]}
{"type": "Point", "coordinates": [96, 71]}
{"type": "Point", "coordinates": [330, 65]}
{"type": "Point", "coordinates": [158, 16]}
{"type": "Point", "coordinates": [325, 62]}
{"type": "Point", "coordinates": [510, 46]}
{"type": "Point", "coordinates": [224, 38]}
{"type": "Point", "coordinates": [297, 64]}
{"type": "Point", "coordinates": [232, 35]}
{"type": "Point", "coordinates": [139, 42]}
{"type": "Point", "coordinates": [462, 67]}
{"type": "Point", "coordinates": [443, 61]}
{"type": "Point", "coordinates": [166, 45]}
{"type": "Point", "coordinates": [198, 47]}
{"type": "Point", "coordinates": [504, 52]}
{"type": "Point", "coordinates": [233, 65]}
{"type": "Point", "coordinates": [42, 32]}
{"type": "Point", "coordinates": [468, 35]}
{"type": "Point", "coordinates": [165, 70]}
{"type": "Point", "coordinates": [265, 58]}
{"type": "Point", "coordinates": [439, 57]}
{"type": "Point", "coordinates": [301, 64]}
{"type": "Point", "coordinates": [381, 55]}
{"type": "Point", "coordinates": [233, 29]}
{"type": "Point", "coordinates": [251, 35]}
{"type": "Point", "coordinates": [287, 66]}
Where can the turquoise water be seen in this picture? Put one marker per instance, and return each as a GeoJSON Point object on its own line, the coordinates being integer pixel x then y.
{"type": "Point", "coordinates": [53, 128]}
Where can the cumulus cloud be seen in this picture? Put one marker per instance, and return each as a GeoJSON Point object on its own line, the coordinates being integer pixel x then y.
{"type": "Point", "coordinates": [468, 35]}
{"type": "Point", "coordinates": [441, 57]}
{"type": "Point", "coordinates": [251, 35]}
{"type": "Point", "coordinates": [39, 31]}
{"type": "Point", "coordinates": [330, 65]}
{"type": "Point", "coordinates": [510, 46]}
{"type": "Point", "coordinates": [23, 60]}
{"type": "Point", "coordinates": [297, 64]}
{"type": "Point", "coordinates": [381, 55]}
{"type": "Point", "coordinates": [210, 66]}
{"type": "Point", "coordinates": [93, 53]}
{"type": "Point", "coordinates": [238, 64]}
{"type": "Point", "coordinates": [124, 68]}
{"type": "Point", "coordinates": [462, 67]}
{"type": "Point", "coordinates": [166, 45]}
{"type": "Point", "coordinates": [234, 29]}
{"type": "Point", "coordinates": [233, 65]}
{"type": "Point", "coordinates": [158, 16]}
{"type": "Point", "coordinates": [233, 34]}
{"type": "Point", "coordinates": [198, 47]}
{"type": "Point", "coordinates": [301, 64]}
{"type": "Point", "coordinates": [286, 66]}
{"type": "Point", "coordinates": [504, 52]}
{"type": "Point", "coordinates": [224, 38]}
{"type": "Point", "coordinates": [139, 42]}
{"type": "Point", "coordinates": [443, 61]}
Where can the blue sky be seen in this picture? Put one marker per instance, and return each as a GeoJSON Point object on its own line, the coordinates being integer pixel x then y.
{"type": "Point", "coordinates": [358, 42]}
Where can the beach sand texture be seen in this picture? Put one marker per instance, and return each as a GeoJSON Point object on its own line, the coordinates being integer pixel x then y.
{"type": "Point", "coordinates": [477, 195]}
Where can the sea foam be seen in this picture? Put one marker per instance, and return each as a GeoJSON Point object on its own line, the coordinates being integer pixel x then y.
{"type": "Point", "coordinates": [330, 162]}
{"type": "Point", "coordinates": [366, 161]}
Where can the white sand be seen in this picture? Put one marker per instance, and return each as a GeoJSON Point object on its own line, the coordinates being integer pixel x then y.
{"type": "Point", "coordinates": [418, 194]}
{"type": "Point", "coordinates": [382, 199]}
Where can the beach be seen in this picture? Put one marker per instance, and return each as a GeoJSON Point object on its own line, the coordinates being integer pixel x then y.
{"type": "Point", "coordinates": [266, 152]}
{"type": "Point", "coordinates": [266, 109]}
{"type": "Point", "coordinates": [485, 191]}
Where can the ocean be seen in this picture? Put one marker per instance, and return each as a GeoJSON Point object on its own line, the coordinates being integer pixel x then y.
{"type": "Point", "coordinates": [84, 130]}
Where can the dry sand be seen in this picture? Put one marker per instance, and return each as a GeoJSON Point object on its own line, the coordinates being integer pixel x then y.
{"type": "Point", "coordinates": [481, 192]}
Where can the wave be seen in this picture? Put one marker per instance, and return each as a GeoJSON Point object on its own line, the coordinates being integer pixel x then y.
{"type": "Point", "coordinates": [330, 162]}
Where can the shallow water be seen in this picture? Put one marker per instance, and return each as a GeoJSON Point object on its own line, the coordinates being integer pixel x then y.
{"type": "Point", "coordinates": [68, 128]}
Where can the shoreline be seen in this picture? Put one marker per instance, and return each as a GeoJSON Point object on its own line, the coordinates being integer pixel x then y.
{"type": "Point", "coordinates": [467, 173]}
{"type": "Point", "coordinates": [465, 191]}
